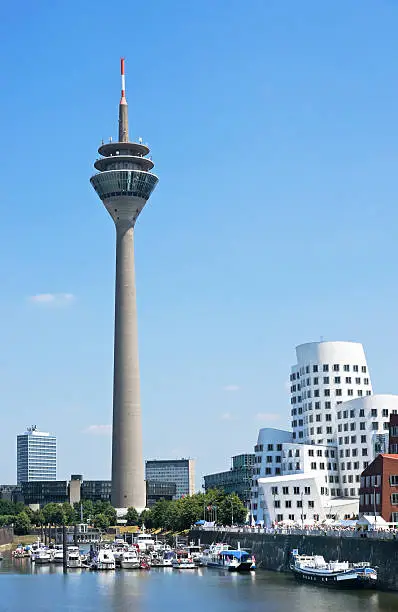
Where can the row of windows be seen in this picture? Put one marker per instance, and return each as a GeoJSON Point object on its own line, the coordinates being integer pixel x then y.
{"type": "Point", "coordinates": [321, 466]}
{"type": "Point", "coordinates": [325, 368]}
{"type": "Point", "coordinates": [362, 426]}
{"type": "Point", "coordinates": [338, 393]}
{"type": "Point", "coordinates": [326, 381]}
{"type": "Point", "coordinates": [373, 481]}
{"type": "Point", "coordinates": [288, 504]}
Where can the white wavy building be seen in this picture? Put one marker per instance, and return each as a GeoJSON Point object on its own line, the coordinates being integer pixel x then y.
{"type": "Point", "coordinates": [336, 419]}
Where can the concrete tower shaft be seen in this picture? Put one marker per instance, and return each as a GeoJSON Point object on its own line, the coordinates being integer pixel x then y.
{"type": "Point", "coordinates": [124, 183]}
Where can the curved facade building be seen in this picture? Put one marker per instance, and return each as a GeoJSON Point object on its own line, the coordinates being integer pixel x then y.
{"type": "Point", "coordinates": [326, 374]}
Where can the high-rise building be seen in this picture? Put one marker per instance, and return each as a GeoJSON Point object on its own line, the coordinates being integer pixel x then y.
{"type": "Point", "coordinates": [178, 471]}
{"type": "Point", "coordinates": [124, 183]}
{"type": "Point", "coordinates": [36, 456]}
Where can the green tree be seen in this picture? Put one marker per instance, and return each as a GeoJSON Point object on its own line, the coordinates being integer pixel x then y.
{"type": "Point", "coordinates": [145, 518]}
{"type": "Point", "coordinates": [54, 514]}
{"type": "Point", "coordinates": [22, 524]}
{"type": "Point", "coordinates": [231, 510]}
{"type": "Point", "coordinates": [132, 516]}
{"type": "Point", "coordinates": [7, 519]}
{"type": "Point", "coordinates": [70, 514]}
{"type": "Point", "coordinates": [38, 518]}
{"type": "Point", "coordinates": [101, 521]}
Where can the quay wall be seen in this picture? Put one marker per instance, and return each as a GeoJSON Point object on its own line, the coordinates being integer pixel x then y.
{"type": "Point", "coordinates": [6, 535]}
{"type": "Point", "coordinates": [272, 551]}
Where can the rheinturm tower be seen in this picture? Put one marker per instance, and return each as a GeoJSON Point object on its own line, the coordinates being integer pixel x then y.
{"type": "Point", "coordinates": [124, 183]}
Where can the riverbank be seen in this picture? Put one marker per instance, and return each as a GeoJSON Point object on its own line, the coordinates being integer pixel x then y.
{"type": "Point", "coordinates": [272, 551]}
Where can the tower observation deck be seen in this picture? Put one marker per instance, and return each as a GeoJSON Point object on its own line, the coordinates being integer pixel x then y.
{"type": "Point", "coordinates": [124, 183]}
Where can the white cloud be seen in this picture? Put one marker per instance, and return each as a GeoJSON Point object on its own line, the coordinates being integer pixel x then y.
{"type": "Point", "coordinates": [231, 388]}
{"type": "Point", "coordinates": [227, 416]}
{"type": "Point", "coordinates": [52, 299]}
{"type": "Point", "coordinates": [267, 416]}
{"type": "Point", "coordinates": [98, 430]}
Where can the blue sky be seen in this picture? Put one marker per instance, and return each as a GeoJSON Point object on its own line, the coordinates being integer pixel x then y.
{"type": "Point", "coordinates": [273, 126]}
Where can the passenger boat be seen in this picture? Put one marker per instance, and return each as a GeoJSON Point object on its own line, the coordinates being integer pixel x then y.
{"type": "Point", "coordinates": [73, 557]}
{"type": "Point", "coordinates": [341, 574]}
{"type": "Point", "coordinates": [129, 560]}
{"type": "Point", "coordinates": [236, 561]}
{"type": "Point", "coordinates": [210, 556]}
{"type": "Point", "coordinates": [183, 560]}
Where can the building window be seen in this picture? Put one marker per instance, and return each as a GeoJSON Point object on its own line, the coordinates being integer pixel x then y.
{"type": "Point", "coordinates": [310, 452]}
{"type": "Point", "coordinates": [270, 447]}
{"type": "Point", "coordinates": [277, 503]}
{"type": "Point", "coordinates": [285, 490]}
{"type": "Point", "coordinates": [311, 504]}
{"type": "Point", "coordinates": [352, 426]}
{"type": "Point", "coordinates": [317, 404]}
{"type": "Point", "coordinates": [337, 380]}
{"type": "Point", "coordinates": [353, 439]}
{"type": "Point", "coordinates": [364, 452]}
{"type": "Point", "coordinates": [336, 367]}
{"type": "Point", "coordinates": [363, 369]}
{"type": "Point", "coordinates": [269, 459]}
{"type": "Point", "coordinates": [346, 368]}
{"type": "Point", "coordinates": [357, 381]}
{"type": "Point", "coordinates": [299, 503]}
{"type": "Point", "coordinates": [288, 503]}
{"type": "Point", "coordinates": [274, 490]}
{"type": "Point", "coordinates": [307, 490]}
{"type": "Point", "coordinates": [327, 405]}
{"type": "Point", "coordinates": [315, 368]}
{"type": "Point", "coordinates": [362, 425]}
{"type": "Point", "coordinates": [338, 392]}
{"type": "Point", "coordinates": [394, 499]}
{"type": "Point", "coordinates": [325, 367]}
{"type": "Point", "coordinates": [296, 490]}
{"type": "Point", "coordinates": [319, 453]}
{"type": "Point", "coordinates": [313, 465]}
{"type": "Point", "coordinates": [366, 381]}
{"type": "Point", "coordinates": [326, 392]}
{"type": "Point", "coordinates": [348, 380]}
{"type": "Point", "coordinates": [355, 368]}
{"type": "Point", "coordinates": [350, 392]}
{"type": "Point", "coordinates": [375, 425]}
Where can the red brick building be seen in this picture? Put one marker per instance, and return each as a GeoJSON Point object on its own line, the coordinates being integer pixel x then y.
{"type": "Point", "coordinates": [379, 488]}
{"type": "Point", "coordinates": [393, 436]}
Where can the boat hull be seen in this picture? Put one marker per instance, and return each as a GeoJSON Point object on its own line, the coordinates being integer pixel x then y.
{"type": "Point", "coordinates": [338, 581]}
{"type": "Point", "coordinates": [130, 564]}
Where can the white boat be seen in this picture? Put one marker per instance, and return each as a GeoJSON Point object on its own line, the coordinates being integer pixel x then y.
{"type": "Point", "coordinates": [58, 555]}
{"type": "Point", "coordinates": [42, 556]}
{"type": "Point", "coordinates": [145, 542]}
{"type": "Point", "coordinates": [105, 560]}
{"type": "Point", "coordinates": [73, 557]}
{"type": "Point", "coordinates": [210, 556]}
{"type": "Point", "coordinates": [182, 560]}
{"type": "Point", "coordinates": [130, 560]}
{"type": "Point", "coordinates": [235, 561]}
{"type": "Point", "coordinates": [194, 551]}
{"type": "Point", "coordinates": [340, 574]}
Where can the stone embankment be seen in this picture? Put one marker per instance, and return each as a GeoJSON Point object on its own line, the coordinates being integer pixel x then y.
{"type": "Point", "coordinates": [6, 536]}
{"type": "Point", "coordinates": [272, 551]}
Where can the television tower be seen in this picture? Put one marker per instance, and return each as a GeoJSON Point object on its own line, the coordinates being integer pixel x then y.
{"type": "Point", "coordinates": [124, 183]}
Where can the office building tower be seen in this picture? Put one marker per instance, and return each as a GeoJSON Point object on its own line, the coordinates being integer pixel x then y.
{"type": "Point", "coordinates": [36, 456]}
{"type": "Point", "coordinates": [178, 471]}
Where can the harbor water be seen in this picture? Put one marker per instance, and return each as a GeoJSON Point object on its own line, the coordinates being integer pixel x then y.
{"type": "Point", "coordinates": [46, 589]}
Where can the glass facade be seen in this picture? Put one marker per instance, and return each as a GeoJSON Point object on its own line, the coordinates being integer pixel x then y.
{"type": "Point", "coordinates": [177, 471]}
{"type": "Point", "coordinates": [36, 456]}
{"type": "Point", "coordinates": [124, 183]}
{"type": "Point", "coordinates": [237, 479]}
{"type": "Point", "coordinates": [45, 492]}
{"type": "Point", "coordinates": [156, 491]}
{"type": "Point", "coordinates": [96, 490]}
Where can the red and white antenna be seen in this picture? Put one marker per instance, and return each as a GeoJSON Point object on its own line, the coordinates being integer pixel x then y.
{"type": "Point", "coordinates": [123, 98]}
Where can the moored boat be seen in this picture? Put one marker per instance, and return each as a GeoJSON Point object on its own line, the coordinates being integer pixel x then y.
{"type": "Point", "coordinates": [104, 560]}
{"type": "Point", "coordinates": [341, 574]}
{"type": "Point", "coordinates": [183, 560]}
{"type": "Point", "coordinates": [129, 560]}
{"type": "Point", "coordinates": [73, 557]}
